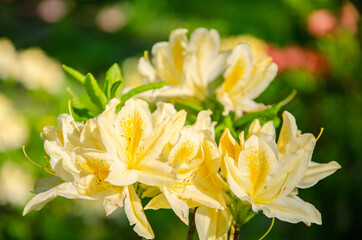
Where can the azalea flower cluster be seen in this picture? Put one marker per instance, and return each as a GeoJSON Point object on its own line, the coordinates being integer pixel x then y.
{"type": "Point", "coordinates": [30, 67]}
{"type": "Point", "coordinates": [187, 158]}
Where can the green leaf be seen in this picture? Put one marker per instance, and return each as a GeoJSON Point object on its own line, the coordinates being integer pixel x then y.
{"type": "Point", "coordinates": [141, 89]}
{"type": "Point", "coordinates": [116, 89]}
{"type": "Point", "coordinates": [263, 116]}
{"type": "Point", "coordinates": [113, 75]}
{"type": "Point", "coordinates": [80, 109]}
{"type": "Point", "coordinates": [74, 73]}
{"type": "Point", "coordinates": [95, 92]}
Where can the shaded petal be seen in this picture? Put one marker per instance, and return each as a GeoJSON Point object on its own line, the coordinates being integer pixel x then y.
{"type": "Point", "coordinates": [136, 216]}
{"type": "Point", "coordinates": [236, 181]}
{"type": "Point", "coordinates": [212, 224]}
{"type": "Point", "coordinates": [112, 202]}
{"type": "Point", "coordinates": [316, 172]}
{"type": "Point", "coordinates": [158, 202]}
{"type": "Point", "coordinates": [179, 206]}
{"type": "Point", "coordinates": [292, 209]}
{"type": "Point", "coordinates": [39, 201]}
{"type": "Point", "coordinates": [60, 161]}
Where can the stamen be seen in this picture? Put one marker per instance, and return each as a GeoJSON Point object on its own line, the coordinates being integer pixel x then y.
{"type": "Point", "coordinates": [46, 168]}
{"type": "Point", "coordinates": [320, 134]}
{"type": "Point", "coordinates": [271, 226]}
{"type": "Point", "coordinates": [289, 98]}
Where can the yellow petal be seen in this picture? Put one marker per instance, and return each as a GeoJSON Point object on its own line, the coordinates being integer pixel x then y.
{"type": "Point", "coordinates": [112, 202]}
{"type": "Point", "coordinates": [39, 201]}
{"type": "Point", "coordinates": [60, 161]}
{"type": "Point", "coordinates": [291, 209]}
{"type": "Point", "coordinates": [179, 206]}
{"type": "Point", "coordinates": [136, 216]}
{"type": "Point", "coordinates": [212, 224]}
{"type": "Point", "coordinates": [316, 172]}
{"type": "Point", "coordinates": [134, 125]}
{"type": "Point", "coordinates": [158, 202]}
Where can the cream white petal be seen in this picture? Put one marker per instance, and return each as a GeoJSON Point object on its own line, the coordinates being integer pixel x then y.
{"type": "Point", "coordinates": [161, 135]}
{"type": "Point", "coordinates": [287, 174]}
{"type": "Point", "coordinates": [49, 133]}
{"type": "Point", "coordinates": [146, 70]}
{"type": "Point", "coordinates": [288, 132]}
{"type": "Point", "coordinates": [60, 161]}
{"type": "Point", "coordinates": [67, 132]}
{"type": "Point", "coordinates": [179, 206]}
{"type": "Point", "coordinates": [162, 112]}
{"type": "Point", "coordinates": [255, 163]}
{"type": "Point", "coordinates": [136, 216]}
{"type": "Point", "coordinates": [45, 184]}
{"type": "Point", "coordinates": [112, 202]}
{"type": "Point", "coordinates": [163, 61]}
{"type": "Point", "coordinates": [119, 175]}
{"type": "Point", "coordinates": [156, 173]}
{"type": "Point", "coordinates": [112, 142]}
{"type": "Point", "coordinates": [205, 45]}
{"type": "Point", "coordinates": [263, 74]}
{"type": "Point", "coordinates": [292, 209]}
{"type": "Point", "coordinates": [212, 224]}
{"type": "Point", "coordinates": [316, 172]}
{"type": "Point", "coordinates": [91, 136]}
{"type": "Point", "coordinates": [235, 179]}
{"type": "Point", "coordinates": [204, 194]}
{"type": "Point", "coordinates": [39, 201]}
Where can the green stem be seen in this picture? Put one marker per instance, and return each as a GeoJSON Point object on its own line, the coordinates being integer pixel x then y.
{"type": "Point", "coordinates": [192, 226]}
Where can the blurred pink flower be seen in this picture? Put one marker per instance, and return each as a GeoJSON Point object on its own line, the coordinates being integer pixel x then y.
{"type": "Point", "coordinates": [321, 22]}
{"type": "Point", "coordinates": [349, 17]}
{"type": "Point", "coordinates": [294, 57]}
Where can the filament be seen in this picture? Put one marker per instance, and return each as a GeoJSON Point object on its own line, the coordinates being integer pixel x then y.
{"type": "Point", "coordinates": [271, 226]}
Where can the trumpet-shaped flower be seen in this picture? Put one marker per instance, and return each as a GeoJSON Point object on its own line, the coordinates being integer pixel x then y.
{"type": "Point", "coordinates": [79, 163]}
{"type": "Point", "coordinates": [265, 174]}
{"type": "Point", "coordinates": [187, 66]}
{"type": "Point", "coordinates": [196, 158]}
{"type": "Point", "coordinates": [135, 139]}
{"type": "Point", "coordinates": [246, 77]}
{"type": "Point", "coordinates": [82, 158]}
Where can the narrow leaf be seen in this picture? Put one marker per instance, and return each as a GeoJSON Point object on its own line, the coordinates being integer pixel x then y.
{"type": "Point", "coordinates": [141, 89]}
{"type": "Point", "coordinates": [95, 92]}
{"type": "Point", "coordinates": [79, 109]}
{"type": "Point", "coordinates": [116, 89]}
{"type": "Point", "coordinates": [113, 75]}
{"type": "Point", "coordinates": [74, 73]}
{"type": "Point", "coordinates": [263, 116]}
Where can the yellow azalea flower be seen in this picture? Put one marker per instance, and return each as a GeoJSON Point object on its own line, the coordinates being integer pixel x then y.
{"type": "Point", "coordinates": [79, 163]}
{"type": "Point", "coordinates": [291, 140]}
{"type": "Point", "coordinates": [135, 139]}
{"type": "Point", "coordinates": [266, 174]}
{"type": "Point", "coordinates": [13, 128]}
{"type": "Point", "coordinates": [82, 158]}
{"type": "Point", "coordinates": [246, 77]}
{"type": "Point", "coordinates": [8, 60]}
{"type": "Point", "coordinates": [197, 159]}
{"type": "Point", "coordinates": [187, 66]}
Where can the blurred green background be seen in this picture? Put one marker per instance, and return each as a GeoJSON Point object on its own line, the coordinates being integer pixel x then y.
{"type": "Point", "coordinates": [316, 43]}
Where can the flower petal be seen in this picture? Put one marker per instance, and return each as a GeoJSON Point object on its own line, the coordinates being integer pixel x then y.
{"type": "Point", "coordinates": [292, 209]}
{"type": "Point", "coordinates": [212, 224]}
{"type": "Point", "coordinates": [39, 201]}
{"type": "Point", "coordinates": [316, 172]}
{"type": "Point", "coordinates": [158, 202]}
{"type": "Point", "coordinates": [136, 216]}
